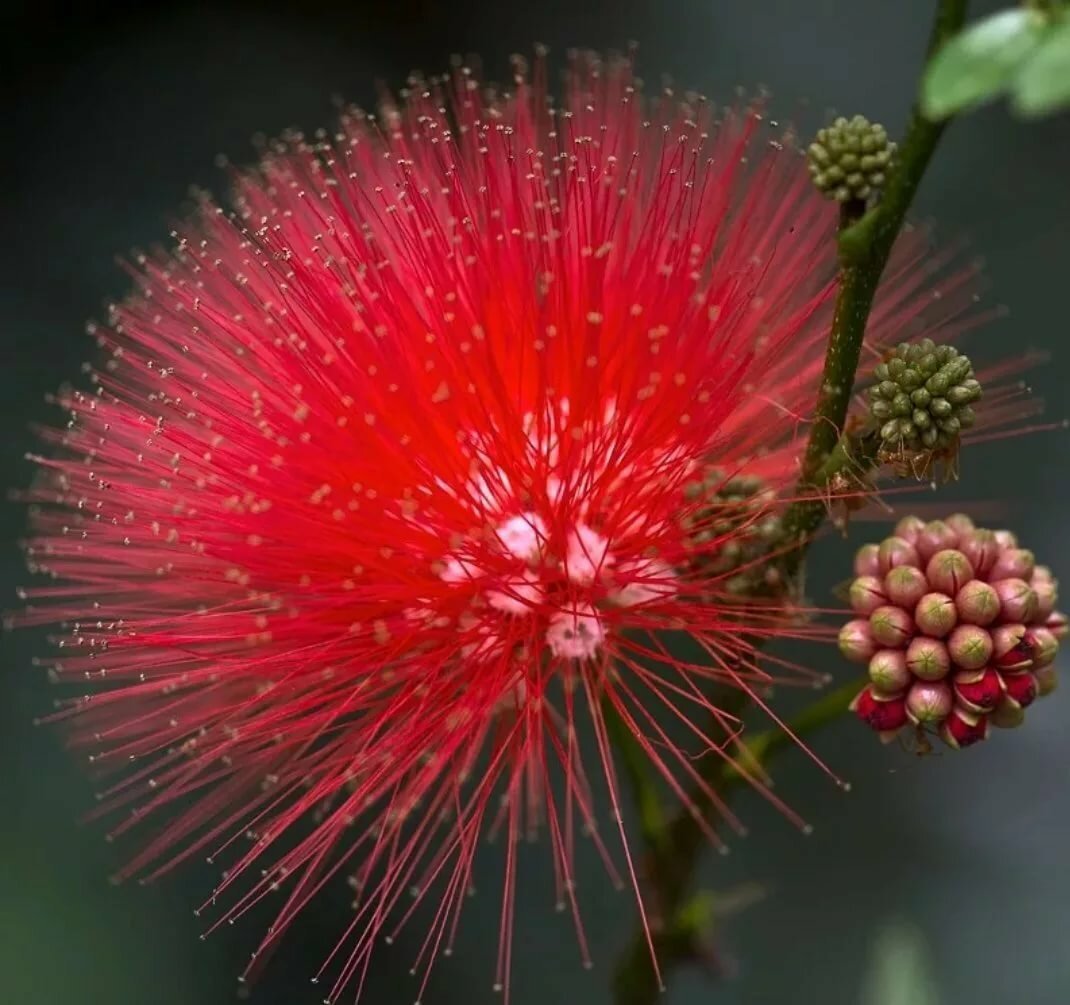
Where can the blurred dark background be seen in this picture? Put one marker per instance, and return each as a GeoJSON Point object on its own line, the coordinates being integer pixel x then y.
{"type": "Point", "coordinates": [112, 113]}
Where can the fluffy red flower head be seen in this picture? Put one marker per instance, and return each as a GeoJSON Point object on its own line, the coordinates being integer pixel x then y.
{"type": "Point", "coordinates": [386, 482]}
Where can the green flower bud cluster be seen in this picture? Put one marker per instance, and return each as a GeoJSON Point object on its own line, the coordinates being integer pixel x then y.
{"type": "Point", "coordinates": [849, 160]}
{"type": "Point", "coordinates": [732, 533]}
{"type": "Point", "coordinates": [923, 398]}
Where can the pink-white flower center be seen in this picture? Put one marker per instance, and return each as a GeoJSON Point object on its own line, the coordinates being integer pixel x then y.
{"type": "Point", "coordinates": [553, 565]}
{"type": "Point", "coordinates": [575, 633]}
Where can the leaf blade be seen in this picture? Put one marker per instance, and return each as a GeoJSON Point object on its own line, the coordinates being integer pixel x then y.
{"type": "Point", "coordinates": [977, 64]}
{"type": "Point", "coordinates": [1043, 83]}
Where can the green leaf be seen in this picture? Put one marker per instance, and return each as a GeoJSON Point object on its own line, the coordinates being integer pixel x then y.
{"type": "Point", "coordinates": [1043, 83]}
{"type": "Point", "coordinates": [979, 63]}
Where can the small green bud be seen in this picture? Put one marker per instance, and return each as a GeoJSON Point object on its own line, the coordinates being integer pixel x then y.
{"type": "Point", "coordinates": [921, 399]}
{"type": "Point", "coordinates": [849, 160]}
{"type": "Point", "coordinates": [733, 533]}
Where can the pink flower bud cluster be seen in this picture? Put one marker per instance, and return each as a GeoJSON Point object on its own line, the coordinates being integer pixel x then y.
{"type": "Point", "coordinates": [958, 627]}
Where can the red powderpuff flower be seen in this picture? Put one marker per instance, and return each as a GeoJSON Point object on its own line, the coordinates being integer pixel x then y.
{"type": "Point", "coordinates": [383, 487]}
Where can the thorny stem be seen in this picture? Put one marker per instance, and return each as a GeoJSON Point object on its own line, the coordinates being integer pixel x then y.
{"type": "Point", "coordinates": [865, 242]}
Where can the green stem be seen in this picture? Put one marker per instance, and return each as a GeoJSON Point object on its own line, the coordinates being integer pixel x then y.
{"type": "Point", "coordinates": [865, 242]}
{"type": "Point", "coordinates": [829, 707]}
{"type": "Point", "coordinates": [851, 459]}
{"type": "Point", "coordinates": [865, 245]}
{"type": "Point", "coordinates": [678, 925]}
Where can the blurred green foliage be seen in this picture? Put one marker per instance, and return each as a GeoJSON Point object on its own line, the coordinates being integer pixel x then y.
{"type": "Point", "coordinates": [1022, 52]}
{"type": "Point", "coordinates": [900, 971]}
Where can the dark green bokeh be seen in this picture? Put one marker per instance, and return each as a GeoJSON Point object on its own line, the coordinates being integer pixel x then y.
{"type": "Point", "coordinates": [113, 115]}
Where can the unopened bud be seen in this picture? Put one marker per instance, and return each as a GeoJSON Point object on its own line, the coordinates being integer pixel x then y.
{"type": "Point", "coordinates": [927, 658]}
{"type": "Point", "coordinates": [1017, 601]}
{"type": "Point", "coordinates": [867, 561]}
{"type": "Point", "coordinates": [928, 702]}
{"type": "Point", "coordinates": [1057, 624]}
{"type": "Point", "coordinates": [867, 594]}
{"type": "Point", "coordinates": [977, 603]}
{"type": "Point", "coordinates": [905, 585]}
{"type": "Point", "coordinates": [894, 551]}
{"type": "Point", "coordinates": [935, 536]}
{"type": "Point", "coordinates": [909, 527]}
{"type": "Point", "coordinates": [1043, 572]}
{"type": "Point", "coordinates": [981, 549]}
{"type": "Point", "coordinates": [1006, 538]}
{"type": "Point", "coordinates": [1047, 595]}
{"type": "Point", "coordinates": [891, 626]}
{"type": "Point", "coordinates": [948, 571]}
{"type": "Point", "coordinates": [922, 398]}
{"type": "Point", "coordinates": [732, 534]}
{"type": "Point", "coordinates": [1013, 563]}
{"type": "Point", "coordinates": [970, 647]}
{"type": "Point", "coordinates": [961, 524]}
{"type": "Point", "coordinates": [1043, 645]}
{"type": "Point", "coordinates": [849, 159]}
{"type": "Point", "coordinates": [856, 641]}
{"type": "Point", "coordinates": [936, 614]}
{"type": "Point", "coordinates": [888, 671]}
